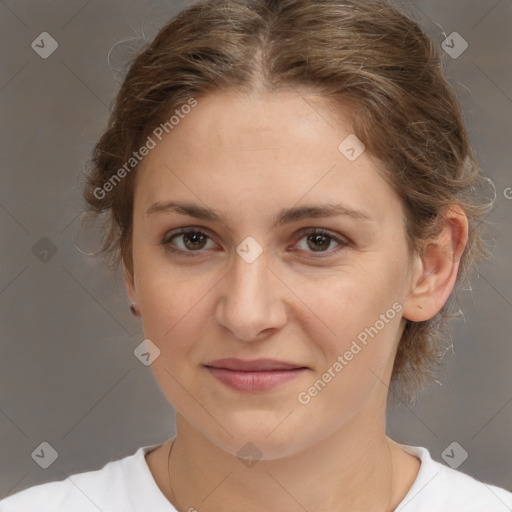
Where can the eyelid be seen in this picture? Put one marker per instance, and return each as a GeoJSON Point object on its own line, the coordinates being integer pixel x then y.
{"type": "Point", "coordinates": [186, 229]}
{"type": "Point", "coordinates": [322, 231]}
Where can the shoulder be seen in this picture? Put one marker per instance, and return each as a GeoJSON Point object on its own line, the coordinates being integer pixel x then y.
{"type": "Point", "coordinates": [439, 488]}
{"type": "Point", "coordinates": [102, 489]}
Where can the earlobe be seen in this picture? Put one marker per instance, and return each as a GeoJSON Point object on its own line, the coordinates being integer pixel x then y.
{"type": "Point", "coordinates": [437, 268]}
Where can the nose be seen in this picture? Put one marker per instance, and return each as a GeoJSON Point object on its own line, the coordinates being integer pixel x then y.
{"type": "Point", "coordinates": [250, 304]}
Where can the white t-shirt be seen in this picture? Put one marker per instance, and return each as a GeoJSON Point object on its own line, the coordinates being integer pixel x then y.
{"type": "Point", "coordinates": [127, 485]}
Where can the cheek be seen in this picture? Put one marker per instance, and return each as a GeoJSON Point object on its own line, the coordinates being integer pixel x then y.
{"type": "Point", "coordinates": [174, 317]}
{"type": "Point", "coordinates": [355, 313]}
{"type": "Point", "coordinates": [355, 360]}
{"type": "Point", "coordinates": [173, 308]}
{"type": "Point", "coordinates": [341, 299]}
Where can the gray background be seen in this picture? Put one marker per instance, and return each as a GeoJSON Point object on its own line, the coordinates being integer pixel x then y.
{"type": "Point", "coordinates": [68, 375]}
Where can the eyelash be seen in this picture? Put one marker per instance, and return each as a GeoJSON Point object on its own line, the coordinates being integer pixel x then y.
{"type": "Point", "coordinates": [302, 233]}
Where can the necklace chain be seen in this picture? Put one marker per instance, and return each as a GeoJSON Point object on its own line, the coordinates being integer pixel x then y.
{"type": "Point", "coordinates": [169, 475]}
{"type": "Point", "coordinates": [179, 507]}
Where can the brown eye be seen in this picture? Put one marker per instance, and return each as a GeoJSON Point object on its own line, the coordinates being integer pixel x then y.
{"type": "Point", "coordinates": [186, 241]}
{"type": "Point", "coordinates": [194, 241]}
{"type": "Point", "coordinates": [319, 241]}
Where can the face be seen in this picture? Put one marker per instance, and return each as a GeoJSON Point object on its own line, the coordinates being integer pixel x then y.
{"type": "Point", "coordinates": [321, 291]}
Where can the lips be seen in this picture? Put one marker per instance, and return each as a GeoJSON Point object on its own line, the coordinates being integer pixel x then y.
{"type": "Point", "coordinates": [253, 376]}
{"type": "Point", "coordinates": [256, 365]}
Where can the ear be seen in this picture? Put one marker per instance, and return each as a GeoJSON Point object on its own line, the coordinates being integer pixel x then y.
{"type": "Point", "coordinates": [129, 283]}
{"type": "Point", "coordinates": [435, 271]}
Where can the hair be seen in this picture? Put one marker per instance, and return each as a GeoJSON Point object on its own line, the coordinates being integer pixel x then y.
{"type": "Point", "coordinates": [363, 54]}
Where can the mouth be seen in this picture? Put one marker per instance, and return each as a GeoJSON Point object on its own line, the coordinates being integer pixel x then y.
{"type": "Point", "coordinates": [253, 376]}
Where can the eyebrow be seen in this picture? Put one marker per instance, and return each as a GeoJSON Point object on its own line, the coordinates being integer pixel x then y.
{"type": "Point", "coordinates": [285, 216]}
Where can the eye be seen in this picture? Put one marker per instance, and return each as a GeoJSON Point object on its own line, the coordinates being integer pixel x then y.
{"type": "Point", "coordinates": [190, 240]}
{"type": "Point", "coordinates": [318, 240]}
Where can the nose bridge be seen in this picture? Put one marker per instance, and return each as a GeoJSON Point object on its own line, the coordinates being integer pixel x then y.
{"type": "Point", "coordinates": [249, 272]}
{"type": "Point", "coordinates": [249, 303]}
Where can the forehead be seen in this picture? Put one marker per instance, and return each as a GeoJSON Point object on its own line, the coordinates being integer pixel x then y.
{"type": "Point", "coordinates": [259, 151]}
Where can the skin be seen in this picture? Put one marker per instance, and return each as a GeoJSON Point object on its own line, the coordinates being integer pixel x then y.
{"type": "Point", "coordinates": [248, 157]}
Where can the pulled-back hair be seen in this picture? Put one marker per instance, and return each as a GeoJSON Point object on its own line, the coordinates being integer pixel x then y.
{"type": "Point", "coordinates": [365, 55]}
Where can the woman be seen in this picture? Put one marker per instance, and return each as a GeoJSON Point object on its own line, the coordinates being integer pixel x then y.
{"type": "Point", "coordinates": [294, 200]}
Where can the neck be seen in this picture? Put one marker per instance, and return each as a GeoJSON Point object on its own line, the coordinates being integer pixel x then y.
{"type": "Point", "coordinates": [349, 470]}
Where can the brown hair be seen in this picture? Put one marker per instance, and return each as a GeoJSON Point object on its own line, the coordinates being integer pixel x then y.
{"type": "Point", "coordinates": [365, 54]}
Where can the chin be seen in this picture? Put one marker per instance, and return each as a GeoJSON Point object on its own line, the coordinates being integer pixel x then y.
{"type": "Point", "coordinates": [257, 440]}
{"type": "Point", "coordinates": [252, 448]}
